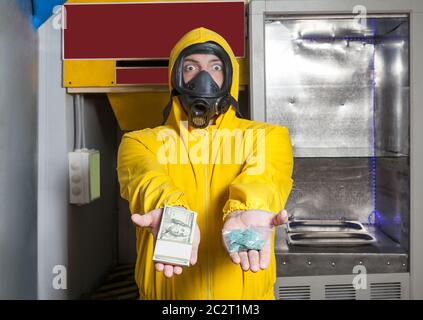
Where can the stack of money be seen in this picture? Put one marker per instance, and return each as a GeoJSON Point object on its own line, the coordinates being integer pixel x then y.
{"type": "Point", "coordinates": [175, 237]}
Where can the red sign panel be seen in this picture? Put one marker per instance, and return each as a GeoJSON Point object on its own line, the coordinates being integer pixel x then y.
{"type": "Point", "coordinates": [146, 30]}
{"type": "Point", "coordinates": [142, 75]}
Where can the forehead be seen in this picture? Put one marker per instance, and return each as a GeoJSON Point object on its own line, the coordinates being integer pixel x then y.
{"type": "Point", "coordinates": [202, 58]}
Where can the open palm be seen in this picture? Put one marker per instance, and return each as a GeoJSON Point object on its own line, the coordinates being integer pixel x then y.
{"type": "Point", "coordinates": [254, 259]}
{"type": "Point", "coordinates": [152, 220]}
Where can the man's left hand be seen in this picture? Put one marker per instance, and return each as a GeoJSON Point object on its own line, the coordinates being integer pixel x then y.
{"type": "Point", "coordinates": [252, 259]}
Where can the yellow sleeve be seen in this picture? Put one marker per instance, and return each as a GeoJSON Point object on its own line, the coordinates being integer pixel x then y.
{"type": "Point", "coordinates": [143, 180]}
{"type": "Point", "coordinates": [264, 186]}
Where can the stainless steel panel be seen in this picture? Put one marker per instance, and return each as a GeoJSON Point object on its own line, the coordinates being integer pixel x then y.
{"type": "Point", "coordinates": [332, 188]}
{"type": "Point", "coordinates": [392, 198]}
{"type": "Point", "coordinates": [319, 89]}
{"type": "Point", "coordinates": [392, 90]}
{"type": "Point", "coordinates": [416, 156]}
{"type": "Point", "coordinates": [382, 256]}
{"type": "Point", "coordinates": [343, 91]}
{"type": "Point", "coordinates": [337, 86]}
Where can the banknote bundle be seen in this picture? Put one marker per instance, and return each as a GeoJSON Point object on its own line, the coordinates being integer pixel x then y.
{"type": "Point", "coordinates": [175, 237]}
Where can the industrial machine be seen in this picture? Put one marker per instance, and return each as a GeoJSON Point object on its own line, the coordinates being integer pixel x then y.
{"type": "Point", "coordinates": [342, 79]}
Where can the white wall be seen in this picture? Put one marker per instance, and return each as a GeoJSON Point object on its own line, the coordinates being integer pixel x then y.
{"type": "Point", "coordinates": [83, 239]}
{"type": "Point", "coordinates": [18, 127]}
{"type": "Point", "coordinates": [92, 229]}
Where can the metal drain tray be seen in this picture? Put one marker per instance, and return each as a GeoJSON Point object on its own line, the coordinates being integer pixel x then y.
{"type": "Point", "coordinates": [324, 225]}
{"type": "Point", "coordinates": [327, 238]}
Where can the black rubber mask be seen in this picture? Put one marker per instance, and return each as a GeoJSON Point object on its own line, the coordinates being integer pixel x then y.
{"type": "Point", "coordinates": [201, 97]}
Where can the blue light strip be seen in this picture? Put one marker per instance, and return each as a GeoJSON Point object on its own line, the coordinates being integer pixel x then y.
{"type": "Point", "coordinates": [373, 217]}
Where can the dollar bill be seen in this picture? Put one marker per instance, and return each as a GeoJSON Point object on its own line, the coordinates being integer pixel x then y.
{"type": "Point", "coordinates": [175, 236]}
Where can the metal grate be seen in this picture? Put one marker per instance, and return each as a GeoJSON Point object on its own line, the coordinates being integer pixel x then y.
{"type": "Point", "coordinates": [340, 292]}
{"type": "Point", "coordinates": [385, 291]}
{"type": "Point", "coordinates": [294, 292]}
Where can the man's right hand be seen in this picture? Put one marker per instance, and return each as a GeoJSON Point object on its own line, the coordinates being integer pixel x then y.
{"type": "Point", "coordinates": [152, 220]}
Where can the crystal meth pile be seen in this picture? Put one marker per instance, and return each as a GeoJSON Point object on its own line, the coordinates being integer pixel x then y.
{"type": "Point", "coordinates": [243, 240]}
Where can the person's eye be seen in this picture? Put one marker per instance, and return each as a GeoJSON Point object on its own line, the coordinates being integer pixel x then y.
{"type": "Point", "coordinates": [190, 67]}
{"type": "Point", "coordinates": [217, 67]}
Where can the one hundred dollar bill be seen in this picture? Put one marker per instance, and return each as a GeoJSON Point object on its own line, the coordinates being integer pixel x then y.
{"type": "Point", "coordinates": [175, 237]}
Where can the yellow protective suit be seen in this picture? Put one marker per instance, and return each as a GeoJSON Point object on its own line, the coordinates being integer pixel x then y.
{"type": "Point", "coordinates": [211, 188]}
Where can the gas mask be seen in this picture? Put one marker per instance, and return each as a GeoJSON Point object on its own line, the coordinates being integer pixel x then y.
{"type": "Point", "coordinates": [201, 97]}
{"type": "Point", "coordinates": [204, 99]}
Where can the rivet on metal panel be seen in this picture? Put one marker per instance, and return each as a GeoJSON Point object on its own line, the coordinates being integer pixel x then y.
{"type": "Point", "coordinates": [284, 262]}
{"type": "Point", "coordinates": [360, 262]}
{"type": "Point", "coordinates": [388, 263]}
{"type": "Point", "coordinates": [309, 262]}
{"type": "Point", "coordinates": [333, 264]}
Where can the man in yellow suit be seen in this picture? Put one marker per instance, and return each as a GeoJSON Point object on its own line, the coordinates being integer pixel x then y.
{"type": "Point", "coordinates": [234, 173]}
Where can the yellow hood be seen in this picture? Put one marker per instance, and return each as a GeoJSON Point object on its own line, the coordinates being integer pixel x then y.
{"type": "Point", "coordinates": [195, 36]}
